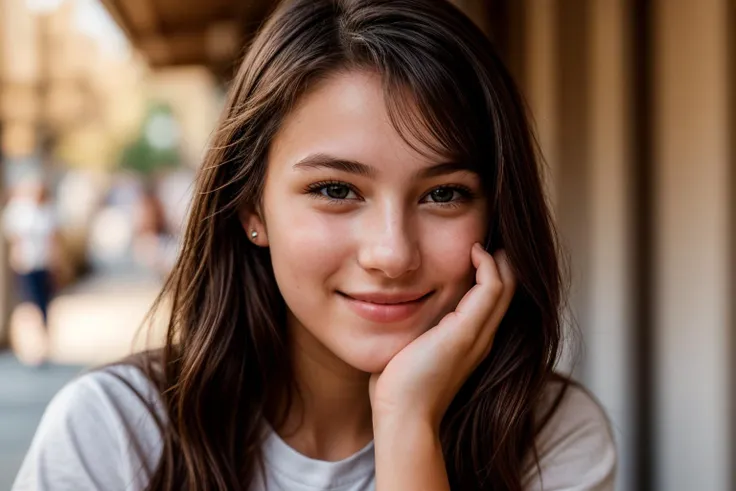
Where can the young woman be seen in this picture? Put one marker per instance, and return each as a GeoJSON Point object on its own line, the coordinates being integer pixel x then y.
{"type": "Point", "coordinates": [368, 292]}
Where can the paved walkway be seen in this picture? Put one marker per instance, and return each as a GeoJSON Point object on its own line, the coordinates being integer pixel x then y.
{"type": "Point", "coordinates": [24, 394]}
{"type": "Point", "coordinates": [98, 320]}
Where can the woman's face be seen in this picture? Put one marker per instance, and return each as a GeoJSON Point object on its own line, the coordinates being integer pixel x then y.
{"type": "Point", "coordinates": [370, 240]}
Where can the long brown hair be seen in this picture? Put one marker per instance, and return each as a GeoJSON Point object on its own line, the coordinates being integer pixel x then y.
{"type": "Point", "coordinates": [226, 354]}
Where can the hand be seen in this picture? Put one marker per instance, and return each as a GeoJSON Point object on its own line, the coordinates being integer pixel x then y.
{"type": "Point", "coordinates": [421, 380]}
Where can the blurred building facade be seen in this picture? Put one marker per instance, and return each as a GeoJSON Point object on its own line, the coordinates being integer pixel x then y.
{"type": "Point", "coordinates": [633, 102]}
{"type": "Point", "coordinates": [63, 91]}
{"type": "Point", "coordinates": [74, 98]}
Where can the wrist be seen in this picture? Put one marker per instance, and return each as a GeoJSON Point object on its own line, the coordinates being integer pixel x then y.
{"type": "Point", "coordinates": [396, 419]}
{"type": "Point", "coordinates": [404, 427]}
{"type": "Point", "coordinates": [408, 455]}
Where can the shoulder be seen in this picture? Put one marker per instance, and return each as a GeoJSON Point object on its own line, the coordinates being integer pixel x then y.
{"type": "Point", "coordinates": [114, 395]}
{"type": "Point", "coordinates": [99, 432]}
{"type": "Point", "coordinates": [575, 446]}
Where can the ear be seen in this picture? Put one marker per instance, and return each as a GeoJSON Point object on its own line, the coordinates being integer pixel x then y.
{"type": "Point", "coordinates": [254, 226]}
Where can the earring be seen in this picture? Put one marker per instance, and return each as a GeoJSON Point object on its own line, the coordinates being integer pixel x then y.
{"type": "Point", "coordinates": [254, 234]}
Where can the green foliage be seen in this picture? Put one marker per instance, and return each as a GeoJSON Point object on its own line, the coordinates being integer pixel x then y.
{"type": "Point", "coordinates": [146, 155]}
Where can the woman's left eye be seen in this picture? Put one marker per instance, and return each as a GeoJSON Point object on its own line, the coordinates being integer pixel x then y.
{"type": "Point", "coordinates": [446, 194]}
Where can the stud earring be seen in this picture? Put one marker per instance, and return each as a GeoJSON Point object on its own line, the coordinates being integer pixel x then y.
{"type": "Point", "coordinates": [254, 234]}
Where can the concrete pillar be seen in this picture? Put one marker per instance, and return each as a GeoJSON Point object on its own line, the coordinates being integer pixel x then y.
{"type": "Point", "coordinates": [692, 245]}
{"type": "Point", "coordinates": [540, 83]}
{"type": "Point", "coordinates": [607, 328]}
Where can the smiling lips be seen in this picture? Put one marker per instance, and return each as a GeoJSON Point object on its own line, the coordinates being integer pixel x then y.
{"type": "Point", "coordinates": [382, 307]}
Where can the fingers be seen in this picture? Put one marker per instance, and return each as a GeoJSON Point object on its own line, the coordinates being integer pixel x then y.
{"type": "Point", "coordinates": [482, 308]}
{"type": "Point", "coordinates": [478, 302]}
{"type": "Point", "coordinates": [507, 275]}
{"type": "Point", "coordinates": [508, 279]}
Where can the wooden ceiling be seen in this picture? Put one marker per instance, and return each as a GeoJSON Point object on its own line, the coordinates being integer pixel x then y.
{"type": "Point", "coordinates": [185, 32]}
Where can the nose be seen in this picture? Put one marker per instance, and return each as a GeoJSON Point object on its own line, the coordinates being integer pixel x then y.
{"type": "Point", "coordinates": [389, 244]}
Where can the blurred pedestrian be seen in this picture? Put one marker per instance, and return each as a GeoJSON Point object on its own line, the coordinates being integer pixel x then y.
{"type": "Point", "coordinates": [30, 226]}
{"type": "Point", "coordinates": [151, 239]}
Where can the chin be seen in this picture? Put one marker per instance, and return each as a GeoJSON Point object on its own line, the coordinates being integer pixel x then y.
{"type": "Point", "coordinates": [371, 366]}
{"type": "Point", "coordinates": [373, 358]}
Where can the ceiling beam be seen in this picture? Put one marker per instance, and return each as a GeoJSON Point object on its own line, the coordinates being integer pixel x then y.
{"type": "Point", "coordinates": [219, 42]}
{"type": "Point", "coordinates": [142, 14]}
{"type": "Point", "coordinates": [216, 43]}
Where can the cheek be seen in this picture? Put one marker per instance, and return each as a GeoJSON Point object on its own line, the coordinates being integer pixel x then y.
{"type": "Point", "coordinates": [306, 248]}
{"type": "Point", "coordinates": [447, 254]}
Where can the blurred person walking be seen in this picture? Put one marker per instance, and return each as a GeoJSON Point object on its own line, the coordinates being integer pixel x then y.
{"type": "Point", "coordinates": [29, 224]}
{"type": "Point", "coordinates": [152, 242]}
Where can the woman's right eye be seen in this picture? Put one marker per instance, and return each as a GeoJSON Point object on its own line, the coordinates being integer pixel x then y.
{"type": "Point", "coordinates": [334, 191]}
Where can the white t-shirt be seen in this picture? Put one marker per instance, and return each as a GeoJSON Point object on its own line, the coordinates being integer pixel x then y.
{"type": "Point", "coordinates": [31, 225]}
{"type": "Point", "coordinates": [98, 435]}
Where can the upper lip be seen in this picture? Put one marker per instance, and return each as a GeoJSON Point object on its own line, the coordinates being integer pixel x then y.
{"type": "Point", "coordinates": [387, 298]}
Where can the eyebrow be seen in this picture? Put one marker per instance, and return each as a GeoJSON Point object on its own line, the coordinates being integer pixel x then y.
{"type": "Point", "coordinates": [324, 161]}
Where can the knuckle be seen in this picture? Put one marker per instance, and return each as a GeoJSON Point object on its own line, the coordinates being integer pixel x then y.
{"type": "Point", "coordinates": [496, 288]}
{"type": "Point", "coordinates": [466, 340]}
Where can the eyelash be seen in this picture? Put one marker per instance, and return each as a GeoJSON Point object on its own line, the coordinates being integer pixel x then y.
{"type": "Point", "coordinates": [315, 190]}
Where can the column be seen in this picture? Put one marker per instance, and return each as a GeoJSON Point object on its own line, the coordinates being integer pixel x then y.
{"type": "Point", "coordinates": [692, 245]}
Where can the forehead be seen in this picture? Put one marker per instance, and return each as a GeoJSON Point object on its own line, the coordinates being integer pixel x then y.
{"type": "Point", "coordinates": [346, 116]}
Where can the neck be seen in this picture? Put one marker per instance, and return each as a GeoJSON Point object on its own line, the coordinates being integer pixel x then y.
{"type": "Point", "coordinates": [330, 417]}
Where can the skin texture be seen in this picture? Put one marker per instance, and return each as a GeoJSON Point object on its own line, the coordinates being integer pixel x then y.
{"type": "Point", "coordinates": [394, 231]}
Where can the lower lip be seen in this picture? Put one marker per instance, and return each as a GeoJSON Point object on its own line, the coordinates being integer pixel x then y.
{"type": "Point", "coordinates": [385, 313]}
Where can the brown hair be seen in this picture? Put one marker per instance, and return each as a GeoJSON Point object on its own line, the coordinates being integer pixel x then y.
{"type": "Point", "coordinates": [226, 355]}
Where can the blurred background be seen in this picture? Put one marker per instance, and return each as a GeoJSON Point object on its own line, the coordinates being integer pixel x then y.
{"type": "Point", "coordinates": [106, 107]}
